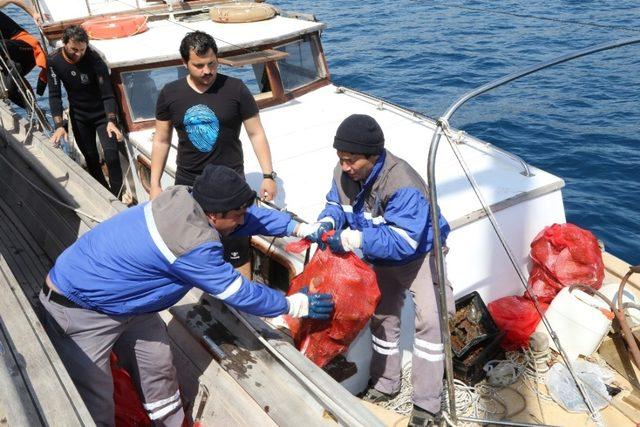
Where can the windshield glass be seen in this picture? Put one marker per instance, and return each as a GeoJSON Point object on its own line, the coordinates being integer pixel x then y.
{"type": "Point", "coordinates": [302, 65]}
{"type": "Point", "coordinates": [141, 88]}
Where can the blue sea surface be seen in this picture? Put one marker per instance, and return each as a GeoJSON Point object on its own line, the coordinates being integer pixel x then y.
{"type": "Point", "coordinates": [579, 120]}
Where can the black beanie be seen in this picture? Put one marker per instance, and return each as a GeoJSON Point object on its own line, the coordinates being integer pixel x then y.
{"type": "Point", "coordinates": [221, 189]}
{"type": "Point", "coordinates": [359, 134]}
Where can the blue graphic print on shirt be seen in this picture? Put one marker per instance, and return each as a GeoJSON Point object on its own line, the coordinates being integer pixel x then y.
{"type": "Point", "coordinates": [202, 126]}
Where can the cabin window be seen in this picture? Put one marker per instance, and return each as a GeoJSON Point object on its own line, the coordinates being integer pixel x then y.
{"type": "Point", "coordinates": [142, 87]}
{"type": "Point", "coordinates": [254, 76]}
{"type": "Point", "coordinates": [302, 65]}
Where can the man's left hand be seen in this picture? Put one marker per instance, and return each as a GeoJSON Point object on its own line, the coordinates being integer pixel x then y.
{"type": "Point", "coordinates": [344, 241]}
{"type": "Point", "coordinates": [268, 189]}
{"type": "Point", "coordinates": [113, 131]}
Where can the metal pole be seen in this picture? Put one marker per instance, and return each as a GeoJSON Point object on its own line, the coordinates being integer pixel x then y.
{"type": "Point", "coordinates": [440, 267]}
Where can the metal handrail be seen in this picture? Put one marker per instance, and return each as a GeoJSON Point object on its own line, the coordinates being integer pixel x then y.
{"type": "Point", "coordinates": [441, 126]}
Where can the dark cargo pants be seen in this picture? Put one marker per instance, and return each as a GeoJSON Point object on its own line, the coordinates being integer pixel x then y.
{"type": "Point", "coordinates": [420, 278]}
{"type": "Point", "coordinates": [84, 340]}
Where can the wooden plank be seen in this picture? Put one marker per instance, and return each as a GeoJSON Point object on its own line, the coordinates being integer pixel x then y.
{"type": "Point", "coordinates": [229, 404]}
{"type": "Point", "coordinates": [258, 57]}
{"type": "Point", "coordinates": [266, 381]}
{"type": "Point", "coordinates": [47, 383]}
{"type": "Point", "coordinates": [26, 266]}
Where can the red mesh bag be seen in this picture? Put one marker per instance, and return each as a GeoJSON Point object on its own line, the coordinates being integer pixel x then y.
{"type": "Point", "coordinates": [518, 318]}
{"type": "Point", "coordinates": [129, 410]}
{"type": "Point", "coordinates": [355, 293]}
{"type": "Point", "coordinates": [564, 255]}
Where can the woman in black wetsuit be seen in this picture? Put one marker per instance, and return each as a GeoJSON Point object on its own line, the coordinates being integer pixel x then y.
{"type": "Point", "coordinates": [92, 104]}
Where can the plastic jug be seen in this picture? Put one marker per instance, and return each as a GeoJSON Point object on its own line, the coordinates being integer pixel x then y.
{"type": "Point", "coordinates": [579, 320]}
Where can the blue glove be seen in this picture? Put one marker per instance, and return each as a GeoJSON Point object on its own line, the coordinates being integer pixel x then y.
{"type": "Point", "coordinates": [320, 306]}
{"type": "Point", "coordinates": [316, 236]}
{"type": "Point", "coordinates": [312, 306]}
{"type": "Point", "coordinates": [335, 243]}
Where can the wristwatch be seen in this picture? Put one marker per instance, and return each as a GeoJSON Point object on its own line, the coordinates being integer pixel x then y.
{"type": "Point", "coordinates": [273, 175]}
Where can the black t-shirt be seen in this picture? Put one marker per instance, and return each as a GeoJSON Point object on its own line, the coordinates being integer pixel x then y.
{"type": "Point", "coordinates": [208, 124]}
{"type": "Point", "coordinates": [8, 27]}
{"type": "Point", "coordinates": [87, 83]}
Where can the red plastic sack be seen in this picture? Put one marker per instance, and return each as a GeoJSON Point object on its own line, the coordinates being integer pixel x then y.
{"type": "Point", "coordinates": [564, 255]}
{"type": "Point", "coordinates": [129, 410]}
{"type": "Point", "coordinates": [518, 318]}
{"type": "Point", "coordinates": [355, 293]}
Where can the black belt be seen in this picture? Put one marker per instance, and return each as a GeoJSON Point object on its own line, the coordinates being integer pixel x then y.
{"type": "Point", "coordinates": [58, 298]}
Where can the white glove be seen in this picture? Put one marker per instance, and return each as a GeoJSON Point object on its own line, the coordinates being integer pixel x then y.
{"type": "Point", "coordinates": [351, 239]}
{"type": "Point", "coordinates": [298, 305]}
{"type": "Point", "coordinates": [304, 230]}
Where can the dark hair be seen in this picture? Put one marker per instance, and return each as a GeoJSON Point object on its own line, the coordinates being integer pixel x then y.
{"type": "Point", "coordinates": [200, 42]}
{"type": "Point", "coordinates": [75, 33]}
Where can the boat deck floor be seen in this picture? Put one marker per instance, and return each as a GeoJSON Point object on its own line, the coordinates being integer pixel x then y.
{"type": "Point", "coordinates": [28, 262]}
{"type": "Point", "coordinates": [36, 389]}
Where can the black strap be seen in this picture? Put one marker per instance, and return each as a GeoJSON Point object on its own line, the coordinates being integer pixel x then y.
{"type": "Point", "coordinates": [58, 298]}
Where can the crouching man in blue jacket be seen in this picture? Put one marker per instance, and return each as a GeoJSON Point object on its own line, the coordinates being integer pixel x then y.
{"type": "Point", "coordinates": [109, 285]}
{"type": "Point", "coordinates": [378, 204]}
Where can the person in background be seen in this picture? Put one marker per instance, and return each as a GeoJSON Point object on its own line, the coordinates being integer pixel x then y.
{"type": "Point", "coordinates": [108, 286]}
{"type": "Point", "coordinates": [378, 204]}
{"type": "Point", "coordinates": [207, 109]}
{"type": "Point", "coordinates": [23, 49]}
{"type": "Point", "coordinates": [92, 104]}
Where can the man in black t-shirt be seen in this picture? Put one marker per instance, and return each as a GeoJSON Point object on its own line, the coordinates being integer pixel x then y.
{"type": "Point", "coordinates": [207, 110]}
{"type": "Point", "coordinates": [92, 104]}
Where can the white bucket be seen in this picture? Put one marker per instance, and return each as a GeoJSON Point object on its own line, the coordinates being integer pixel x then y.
{"type": "Point", "coordinates": [578, 321]}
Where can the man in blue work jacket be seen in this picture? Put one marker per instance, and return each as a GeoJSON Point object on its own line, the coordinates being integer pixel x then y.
{"type": "Point", "coordinates": [378, 205]}
{"type": "Point", "coordinates": [109, 285]}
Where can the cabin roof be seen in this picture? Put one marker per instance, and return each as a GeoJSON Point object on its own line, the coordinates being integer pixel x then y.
{"type": "Point", "coordinates": [162, 40]}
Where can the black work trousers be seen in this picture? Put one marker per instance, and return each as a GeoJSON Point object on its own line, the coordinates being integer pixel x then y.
{"type": "Point", "coordinates": [85, 131]}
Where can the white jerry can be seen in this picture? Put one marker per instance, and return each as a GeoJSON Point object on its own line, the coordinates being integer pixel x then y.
{"type": "Point", "coordinates": [580, 320]}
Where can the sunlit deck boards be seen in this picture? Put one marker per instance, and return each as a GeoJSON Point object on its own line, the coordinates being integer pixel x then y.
{"type": "Point", "coordinates": [36, 389]}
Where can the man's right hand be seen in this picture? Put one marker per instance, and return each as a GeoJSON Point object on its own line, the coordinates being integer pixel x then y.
{"type": "Point", "coordinates": [57, 135]}
{"type": "Point", "coordinates": [154, 191]}
{"type": "Point", "coordinates": [314, 232]}
{"type": "Point", "coordinates": [312, 306]}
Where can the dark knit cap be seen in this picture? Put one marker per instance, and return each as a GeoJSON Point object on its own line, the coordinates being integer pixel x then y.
{"type": "Point", "coordinates": [221, 189]}
{"type": "Point", "coordinates": [359, 134]}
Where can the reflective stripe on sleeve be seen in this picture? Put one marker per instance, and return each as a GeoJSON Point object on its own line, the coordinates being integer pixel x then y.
{"type": "Point", "coordinates": [402, 233]}
{"type": "Point", "coordinates": [231, 289]}
{"type": "Point", "coordinates": [155, 234]}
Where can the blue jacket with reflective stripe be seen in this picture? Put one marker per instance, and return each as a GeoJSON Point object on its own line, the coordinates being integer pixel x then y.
{"type": "Point", "coordinates": [391, 208]}
{"type": "Point", "coordinates": [146, 258]}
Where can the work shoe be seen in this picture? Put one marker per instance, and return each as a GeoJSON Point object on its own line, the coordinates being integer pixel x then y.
{"type": "Point", "coordinates": [373, 395]}
{"type": "Point", "coordinates": [422, 418]}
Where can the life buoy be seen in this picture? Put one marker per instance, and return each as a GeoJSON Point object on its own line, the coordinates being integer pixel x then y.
{"type": "Point", "coordinates": [242, 12]}
{"type": "Point", "coordinates": [115, 26]}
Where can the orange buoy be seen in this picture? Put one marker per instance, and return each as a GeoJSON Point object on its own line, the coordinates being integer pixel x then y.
{"type": "Point", "coordinates": [115, 26]}
{"type": "Point", "coordinates": [241, 12]}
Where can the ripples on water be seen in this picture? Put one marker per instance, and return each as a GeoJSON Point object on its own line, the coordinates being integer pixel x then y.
{"type": "Point", "coordinates": [578, 120]}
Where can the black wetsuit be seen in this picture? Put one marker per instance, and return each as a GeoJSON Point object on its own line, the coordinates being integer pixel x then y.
{"type": "Point", "coordinates": [92, 105]}
{"type": "Point", "coordinates": [20, 52]}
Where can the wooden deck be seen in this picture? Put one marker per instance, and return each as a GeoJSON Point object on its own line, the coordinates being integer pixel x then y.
{"type": "Point", "coordinates": [36, 389]}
